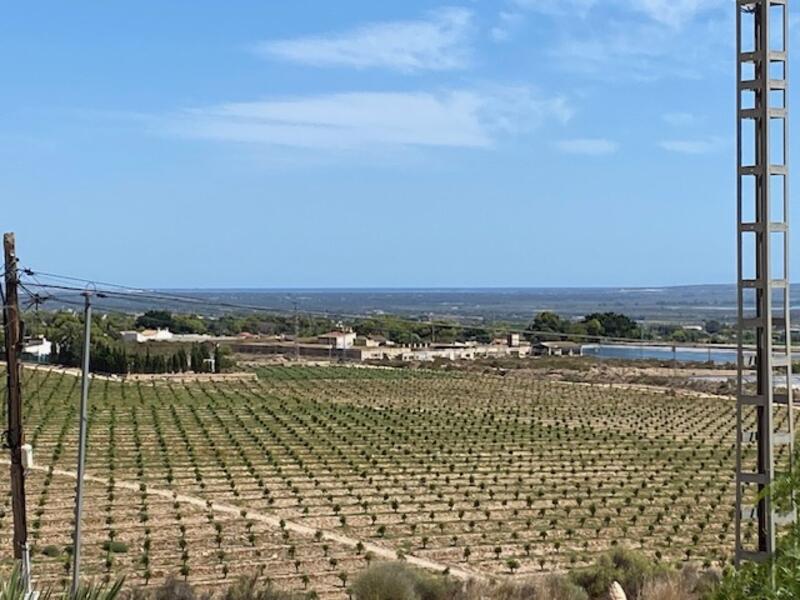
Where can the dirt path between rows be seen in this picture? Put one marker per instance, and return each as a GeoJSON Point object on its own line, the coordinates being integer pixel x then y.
{"type": "Point", "coordinates": [644, 387]}
{"type": "Point", "coordinates": [142, 377]}
{"type": "Point", "coordinates": [275, 521]}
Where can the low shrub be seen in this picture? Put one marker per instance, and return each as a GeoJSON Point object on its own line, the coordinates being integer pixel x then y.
{"type": "Point", "coordinates": [175, 589]}
{"type": "Point", "coordinates": [51, 551]}
{"type": "Point", "coordinates": [115, 547]}
{"type": "Point", "coordinates": [250, 588]}
{"type": "Point", "coordinates": [631, 569]}
{"type": "Point", "coordinates": [245, 588]}
{"type": "Point", "coordinates": [399, 581]}
{"type": "Point", "coordinates": [554, 587]}
{"type": "Point", "coordinates": [672, 587]}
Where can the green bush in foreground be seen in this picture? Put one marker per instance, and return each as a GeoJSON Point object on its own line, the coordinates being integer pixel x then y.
{"type": "Point", "coordinates": [756, 580]}
{"type": "Point", "coordinates": [250, 588]}
{"type": "Point", "coordinates": [96, 592]}
{"type": "Point", "coordinates": [780, 578]}
{"type": "Point", "coordinates": [631, 569]}
{"type": "Point", "coordinates": [398, 581]}
{"type": "Point", "coordinates": [552, 587]}
{"type": "Point", "coordinates": [13, 588]}
{"type": "Point", "coordinates": [245, 588]}
{"type": "Point", "coordinates": [115, 546]}
{"type": "Point", "coordinates": [640, 578]}
{"type": "Point", "coordinates": [51, 551]}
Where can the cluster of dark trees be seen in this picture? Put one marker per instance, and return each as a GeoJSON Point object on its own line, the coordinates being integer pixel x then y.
{"type": "Point", "coordinates": [406, 331]}
{"type": "Point", "coordinates": [610, 324]}
{"type": "Point", "coordinates": [59, 324]}
{"type": "Point", "coordinates": [116, 359]}
{"type": "Point", "coordinates": [550, 326]}
{"type": "Point", "coordinates": [163, 319]}
{"type": "Point", "coordinates": [233, 324]}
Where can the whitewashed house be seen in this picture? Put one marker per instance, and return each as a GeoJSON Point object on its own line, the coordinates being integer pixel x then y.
{"type": "Point", "coordinates": [38, 349]}
{"type": "Point", "coordinates": [340, 340]}
{"type": "Point", "coordinates": [148, 335]}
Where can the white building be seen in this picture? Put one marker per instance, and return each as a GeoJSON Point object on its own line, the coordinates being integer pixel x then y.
{"type": "Point", "coordinates": [340, 340]}
{"type": "Point", "coordinates": [38, 348]}
{"type": "Point", "coordinates": [148, 335]}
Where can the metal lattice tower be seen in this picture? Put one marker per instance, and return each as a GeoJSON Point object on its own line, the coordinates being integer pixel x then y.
{"type": "Point", "coordinates": [764, 421]}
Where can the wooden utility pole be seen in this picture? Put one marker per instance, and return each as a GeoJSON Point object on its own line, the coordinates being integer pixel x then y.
{"type": "Point", "coordinates": [14, 436]}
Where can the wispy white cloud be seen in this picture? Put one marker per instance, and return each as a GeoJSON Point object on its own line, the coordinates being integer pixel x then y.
{"type": "Point", "coordinates": [675, 13]}
{"type": "Point", "coordinates": [439, 42]}
{"type": "Point", "coordinates": [645, 51]}
{"type": "Point", "coordinates": [617, 51]}
{"type": "Point", "coordinates": [588, 146]}
{"type": "Point", "coordinates": [456, 118]}
{"type": "Point", "coordinates": [572, 8]}
{"type": "Point", "coordinates": [642, 40]}
{"type": "Point", "coordinates": [507, 22]}
{"type": "Point", "coordinates": [694, 146]}
{"type": "Point", "coordinates": [680, 119]}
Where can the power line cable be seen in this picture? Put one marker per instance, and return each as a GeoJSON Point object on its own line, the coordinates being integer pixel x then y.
{"type": "Point", "coordinates": [148, 292]}
{"type": "Point", "coordinates": [31, 273]}
{"type": "Point", "coordinates": [166, 297]}
{"type": "Point", "coordinates": [194, 301]}
{"type": "Point", "coordinates": [333, 315]}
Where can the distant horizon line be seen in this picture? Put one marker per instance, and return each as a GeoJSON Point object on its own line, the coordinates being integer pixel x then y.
{"type": "Point", "coordinates": [621, 288]}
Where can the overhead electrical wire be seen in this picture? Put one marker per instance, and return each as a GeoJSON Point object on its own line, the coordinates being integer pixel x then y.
{"type": "Point", "coordinates": [143, 292]}
{"type": "Point", "coordinates": [32, 273]}
{"type": "Point", "coordinates": [139, 295]}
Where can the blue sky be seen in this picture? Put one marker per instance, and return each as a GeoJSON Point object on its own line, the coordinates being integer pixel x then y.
{"type": "Point", "coordinates": [371, 144]}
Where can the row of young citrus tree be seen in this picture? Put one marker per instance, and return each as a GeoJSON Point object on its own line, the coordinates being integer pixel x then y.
{"type": "Point", "coordinates": [299, 475]}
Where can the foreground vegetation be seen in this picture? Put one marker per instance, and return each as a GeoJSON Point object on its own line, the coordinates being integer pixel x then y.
{"type": "Point", "coordinates": [397, 580]}
{"type": "Point", "coordinates": [13, 587]}
{"type": "Point", "coordinates": [780, 578]}
{"type": "Point", "coordinates": [632, 573]}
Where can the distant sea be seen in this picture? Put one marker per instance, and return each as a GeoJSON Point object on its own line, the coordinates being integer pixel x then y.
{"type": "Point", "coordinates": [681, 304]}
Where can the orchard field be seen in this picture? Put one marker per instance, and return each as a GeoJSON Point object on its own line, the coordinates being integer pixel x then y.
{"type": "Point", "coordinates": [307, 474]}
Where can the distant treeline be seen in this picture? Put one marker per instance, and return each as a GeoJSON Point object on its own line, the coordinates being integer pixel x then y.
{"type": "Point", "coordinates": [548, 326]}
{"type": "Point", "coordinates": [115, 359]}
{"type": "Point", "coordinates": [233, 324]}
{"type": "Point", "coordinates": [111, 355]}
